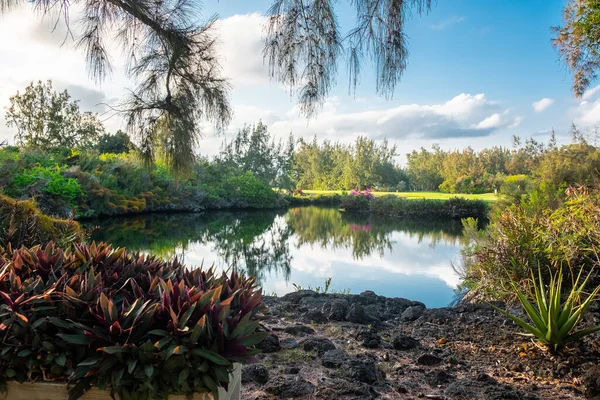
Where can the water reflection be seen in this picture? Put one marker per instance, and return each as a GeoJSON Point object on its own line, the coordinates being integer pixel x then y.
{"type": "Point", "coordinates": [305, 246]}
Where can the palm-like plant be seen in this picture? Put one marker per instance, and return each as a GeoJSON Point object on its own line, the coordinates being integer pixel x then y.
{"type": "Point", "coordinates": [553, 320]}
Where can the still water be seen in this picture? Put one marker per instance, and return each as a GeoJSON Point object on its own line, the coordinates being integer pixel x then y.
{"type": "Point", "coordinates": [305, 246]}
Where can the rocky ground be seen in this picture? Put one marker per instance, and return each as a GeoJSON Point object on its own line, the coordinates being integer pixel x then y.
{"type": "Point", "coordinates": [371, 347]}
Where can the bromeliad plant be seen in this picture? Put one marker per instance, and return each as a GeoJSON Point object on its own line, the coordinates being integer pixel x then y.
{"type": "Point", "coordinates": [136, 325]}
{"type": "Point", "coordinates": [552, 320]}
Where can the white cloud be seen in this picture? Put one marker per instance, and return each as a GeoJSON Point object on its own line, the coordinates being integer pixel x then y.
{"type": "Point", "coordinates": [516, 122]}
{"type": "Point", "coordinates": [591, 92]}
{"type": "Point", "coordinates": [464, 115]}
{"type": "Point", "coordinates": [587, 113]}
{"type": "Point", "coordinates": [448, 23]}
{"type": "Point", "coordinates": [542, 104]}
{"type": "Point", "coordinates": [493, 121]}
{"type": "Point", "coordinates": [240, 48]}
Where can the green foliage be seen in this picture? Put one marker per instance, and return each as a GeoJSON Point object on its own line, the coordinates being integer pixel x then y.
{"type": "Point", "coordinates": [253, 149]}
{"type": "Point", "coordinates": [521, 238]}
{"type": "Point", "coordinates": [46, 120]}
{"type": "Point", "coordinates": [139, 326]}
{"type": "Point", "coordinates": [391, 205]}
{"type": "Point", "coordinates": [49, 181]}
{"type": "Point", "coordinates": [249, 191]}
{"type": "Point", "coordinates": [116, 184]}
{"type": "Point", "coordinates": [23, 224]}
{"type": "Point", "coordinates": [115, 144]}
{"type": "Point", "coordinates": [553, 320]}
{"type": "Point", "coordinates": [515, 188]}
{"type": "Point", "coordinates": [361, 165]}
{"type": "Point", "coordinates": [577, 42]}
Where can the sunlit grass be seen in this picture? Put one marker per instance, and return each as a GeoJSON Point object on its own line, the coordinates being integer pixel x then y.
{"type": "Point", "coordinates": [419, 195]}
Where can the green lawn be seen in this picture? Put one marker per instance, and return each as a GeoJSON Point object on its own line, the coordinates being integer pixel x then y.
{"type": "Point", "coordinates": [419, 195]}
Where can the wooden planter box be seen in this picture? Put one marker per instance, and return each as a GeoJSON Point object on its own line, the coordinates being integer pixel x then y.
{"type": "Point", "coordinates": [57, 391]}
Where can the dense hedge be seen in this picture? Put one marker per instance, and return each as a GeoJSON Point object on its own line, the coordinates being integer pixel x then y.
{"type": "Point", "coordinates": [134, 324]}
{"type": "Point", "coordinates": [394, 206]}
{"type": "Point", "coordinates": [91, 185]}
{"type": "Point", "coordinates": [22, 224]}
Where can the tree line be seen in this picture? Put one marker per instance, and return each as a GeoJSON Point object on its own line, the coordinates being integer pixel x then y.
{"type": "Point", "coordinates": [50, 121]}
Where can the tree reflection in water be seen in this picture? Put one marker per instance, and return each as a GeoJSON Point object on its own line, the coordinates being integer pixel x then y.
{"type": "Point", "coordinates": [259, 242]}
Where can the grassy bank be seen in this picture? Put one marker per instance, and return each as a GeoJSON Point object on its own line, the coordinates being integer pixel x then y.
{"type": "Point", "coordinates": [415, 195]}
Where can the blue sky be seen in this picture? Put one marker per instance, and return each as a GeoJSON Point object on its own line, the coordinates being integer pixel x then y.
{"type": "Point", "coordinates": [475, 70]}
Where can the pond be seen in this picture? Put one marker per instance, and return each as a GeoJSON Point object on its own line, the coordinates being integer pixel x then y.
{"type": "Point", "coordinates": [303, 247]}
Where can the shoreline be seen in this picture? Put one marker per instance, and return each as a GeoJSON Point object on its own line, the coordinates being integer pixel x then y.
{"type": "Point", "coordinates": [365, 346]}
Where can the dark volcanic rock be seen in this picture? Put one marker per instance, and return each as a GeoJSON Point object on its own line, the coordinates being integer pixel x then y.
{"type": "Point", "coordinates": [504, 392]}
{"type": "Point", "coordinates": [438, 378]}
{"type": "Point", "coordinates": [299, 330]}
{"type": "Point", "coordinates": [362, 369]}
{"type": "Point", "coordinates": [312, 303]}
{"type": "Point", "coordinates": [412, 313]}
{"type": "Point", "coordinates": [591, 382]}
{"type": "Point", "coordinates": [356, 313]}
{"type": "Point", "coordinates": [367, 297]}
{"type": "Point", "coordinates": [334, 358]}
{"type": "Point", "coordinates": [404, 342]}
{"type": "Point", "coordinates": [270, 344]}
{"type": "Point", "coordinates": [372, 313]}
{"type": "Point", "coordinates": [429, 359]}
{"type": "Point", "coordinates": [321, 345]}
{"type": "Point", "coordinates": [460, 390]}
{"type": "Point", "coordinates": [315, 316]}
{"type": "Point", "coordinates": [335, 310]}
{"type": "Point", "coordinates": [292, 369]}
{"type": "Point", "coordinates": [341, 389]}
{"type": "Point", "coordinates": [288, 343]}
{"type": "Point", "coordinates": [255, 373]}
{"type": "Point", "coordinates": [369, 337]}
{"type": "Point", "coordinates": [486, 379]}
{"type": "Point", "coordinates": [289, 386]}
{"type": "Point", "coordinates": [295, 297]}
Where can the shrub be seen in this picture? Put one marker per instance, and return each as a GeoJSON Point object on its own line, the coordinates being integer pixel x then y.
{"type": "Point", "coordinates": [142, 327]}
{"type": "Point", "coordinates": [518, 240]}
{"type": "Point", "coordinates": [356, 203]}
{"type": "Point", "coordinates": [248, 191]}
{"type": "Point", "coordinates": [21, 223]}
{"type": "Point", "coordinates": [552, 320]}
{"type": "Point", "coordinates": [391, 205]}
{"type": "Point", "coordinates": [49, 181]}
{"type": "Point", "coordinates": [365, 193]}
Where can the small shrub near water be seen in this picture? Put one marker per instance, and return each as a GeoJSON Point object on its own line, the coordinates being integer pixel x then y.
{"type": "Point", "coordinates": [391, 205]}
{"type": "Point", "coordinates": [139, 326]}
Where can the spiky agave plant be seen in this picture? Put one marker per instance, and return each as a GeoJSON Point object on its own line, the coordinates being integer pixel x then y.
{"type": "Point", "coordinates": [552, 320]}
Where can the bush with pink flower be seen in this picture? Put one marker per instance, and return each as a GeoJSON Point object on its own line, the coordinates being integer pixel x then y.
{"type": "Point", "coordinates": [367, 193]}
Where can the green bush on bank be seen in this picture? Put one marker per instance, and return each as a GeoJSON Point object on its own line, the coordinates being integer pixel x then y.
{"type": "Point", "coordinates": [391, 205]}
{"type": "Point", "coordinates": [522, 238]}
{"type": "Point", "coordinates": [91, 184]}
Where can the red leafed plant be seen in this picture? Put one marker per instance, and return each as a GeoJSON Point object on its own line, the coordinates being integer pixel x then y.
{"type": "Point", "coordinates": [134, 324]}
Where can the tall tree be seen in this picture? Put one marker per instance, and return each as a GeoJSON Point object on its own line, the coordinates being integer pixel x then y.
{"type": "Point", "coordinates": [253, 149]}
{"type": "Point", "coordinates": [578, 42]}
{"type": "Point", "coordinates": [46, 119]}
